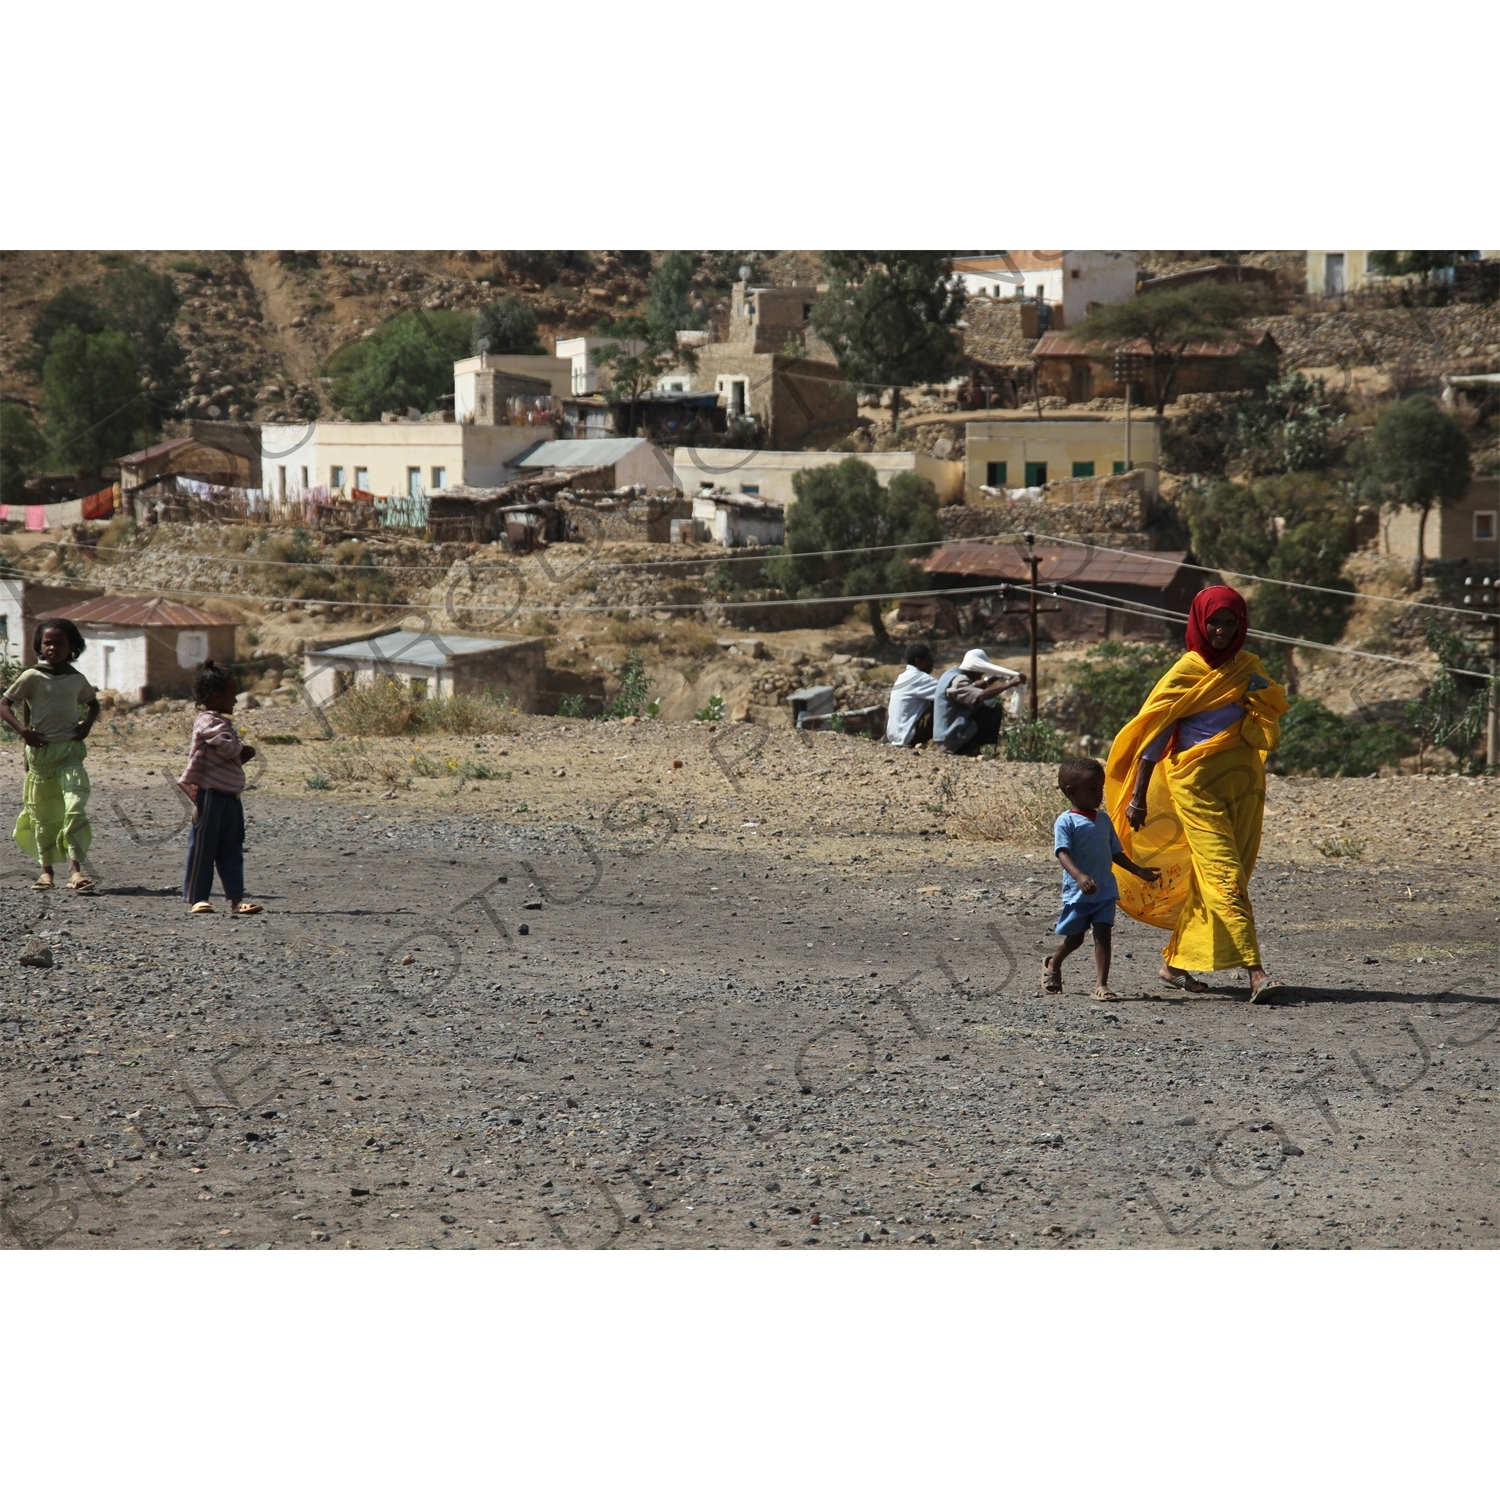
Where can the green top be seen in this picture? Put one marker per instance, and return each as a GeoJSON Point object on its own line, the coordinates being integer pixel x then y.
{"type": "Point", "coordinates": [50, 700]}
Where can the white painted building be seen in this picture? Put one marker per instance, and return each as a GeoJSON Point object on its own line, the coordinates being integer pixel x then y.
{"type": "Point", "coordinates": [579, 352]}
{"type": "Point", "coordinates": [141, 648]}
{"type": "Point", "coordinates": [740, 520]}
{"type": "Point", "coordinates": [1071, 279]}
{"type": "Point", "coordinates": [430, 665]}
{"type": "Point", "coordinates": [768, 475]}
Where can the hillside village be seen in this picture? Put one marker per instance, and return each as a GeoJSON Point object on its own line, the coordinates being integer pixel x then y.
{"type": "Point", "coordinates": [579, 473]}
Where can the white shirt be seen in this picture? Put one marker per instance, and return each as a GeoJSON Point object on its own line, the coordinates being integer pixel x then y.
{"type": "Point", "coordinates": [911, 697]}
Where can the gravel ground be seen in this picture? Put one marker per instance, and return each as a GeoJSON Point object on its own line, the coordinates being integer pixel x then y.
{"type": "Point", "coordinates": [763, 998]}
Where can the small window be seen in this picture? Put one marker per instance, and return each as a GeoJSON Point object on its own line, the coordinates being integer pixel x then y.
{"type": "Point", "coordinates": [192, 648]}
{"type": "Point", "coordinates": [336, 477]}
{"type": "Point", "coordinates": [439, 477]}
{"type": "Point", "coordinates": [281, 481]}
{"type": "Point", "coordinates": [414, 483]}
{"type": "Point", "coordinates": [484, 406]}
{"type": "Point", "coordinates": [362, 479]}
{"type": "Point", "coordinates": [994, 475]}
{"type": "Point", "coordinates": [1484, 526]}
{"type": "Point", "coordinates": [1035, 474]}
{"type": "Point", "coordinates": [1074, 274]}
{"type": "Point", "coordinates": [749, 489]}
{"type": "Point", "coordinates": [1083, 471]}
{"type": "Point", "coordinates": [418, 686]}
{"type": "Point", "coordinates": [1119, 467]}
{"type": "Point", "coordinates": [305, 483]}
{"type": "Point", "coordinates": [806, 311]}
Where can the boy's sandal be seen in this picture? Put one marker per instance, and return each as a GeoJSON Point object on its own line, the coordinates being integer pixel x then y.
{"type": "Point", "coordinates": [1264, 985]}
{"type": "Point", "coordinates": [245, 909]}
{"type": "Point", "coordinates": [201, 909]}
{"type": "Point", "coordinates": [43, 882]}
{"type": "Point", "coordinates": [80, 882]}
{"type": "Point", "coordinates": [1183, 981]}
{"type": "Point", "coordinates": [1051, 979]}
{"type": "Point", "coordinates": [1103, 992]}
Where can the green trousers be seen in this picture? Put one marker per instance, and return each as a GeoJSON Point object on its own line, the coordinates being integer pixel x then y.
{"type": "Point", "coordinates": [54, 823]}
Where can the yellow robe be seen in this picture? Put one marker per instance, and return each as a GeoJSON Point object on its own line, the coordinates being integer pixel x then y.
{"type": "Point", "coordinates": [1203, 812]}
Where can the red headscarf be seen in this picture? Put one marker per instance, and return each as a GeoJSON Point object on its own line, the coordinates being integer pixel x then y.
{"type": "Point", "coordinates": [1209, 602]}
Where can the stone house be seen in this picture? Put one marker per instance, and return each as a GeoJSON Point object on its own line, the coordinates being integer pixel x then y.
{"type": "Point", "coordinates": [1070, 282]}
{"type": "Point", "coordinates": [433, 665]}
{"type": "Point", "coordinates": [1080, 372]}
{"type": "Point", "coordinates": [771, 367]}
{"type": "Point", "coordinates": [1465, 530]}
{"type": "Point", "coordinates": [23, 603]}
{"type": "Point", "coordinates": [1021, 453]}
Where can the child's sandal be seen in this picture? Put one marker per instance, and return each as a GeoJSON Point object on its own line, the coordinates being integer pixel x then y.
{"type": "Point", "coordinates": [80, 882]}
{"type": "Point", "coordinates": [1051, 979]}
{"type": "Point", "coordinates": [201, 909]}
{"type": "Point", "coordinates": [245, 909]}
{"type": "Point", "coordinates": [1103, 992]}
{"type": "Point", "coordinates": [43, 882]}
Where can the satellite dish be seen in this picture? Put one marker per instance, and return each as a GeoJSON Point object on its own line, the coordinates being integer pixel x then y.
{"type": "Point", "coordinates": [744, 273]}
{"type": "Point", "coordinates": [483, 346]}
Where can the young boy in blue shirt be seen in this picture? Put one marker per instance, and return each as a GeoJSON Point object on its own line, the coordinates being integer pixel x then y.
{"type": "Point", "coordinates": [1087, 848]}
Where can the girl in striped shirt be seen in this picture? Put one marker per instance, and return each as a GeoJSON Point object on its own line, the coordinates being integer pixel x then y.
{"type": "Point", "coordinates": [214, 779]}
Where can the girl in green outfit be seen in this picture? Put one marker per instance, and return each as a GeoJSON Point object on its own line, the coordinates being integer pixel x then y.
{"type": "Point", "coordinates": [54, 818]}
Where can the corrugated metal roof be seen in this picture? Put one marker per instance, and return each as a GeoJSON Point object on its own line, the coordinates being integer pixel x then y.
{"type": "Point", "coordinates": [580, 453]}
{"type": "Point", "coordinates": [1083, 565]}
{"type": "Point", "coordinates": [138, 610]}
{"type": "Point", "coordinates": [1067, 343]}
{"type": "Point", "coordinates": [409, 648]}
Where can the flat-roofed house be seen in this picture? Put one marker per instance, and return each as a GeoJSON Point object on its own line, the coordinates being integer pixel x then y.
{"type": "Point", "coordinates": [432, 664]}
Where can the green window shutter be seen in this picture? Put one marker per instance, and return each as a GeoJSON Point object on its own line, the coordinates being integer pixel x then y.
{"type": "Point", "coordinates": [994, 475]}
{"type": "Point", "coordinates": [1119, 467]}
{"type": "Point", "coordinates": [1035, 474]}
{"type": "Point", "coordinates": [1083, 471]}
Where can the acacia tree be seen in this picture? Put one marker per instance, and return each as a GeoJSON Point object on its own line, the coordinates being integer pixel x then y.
{"type": "Point", "coordinates": [1417, 457]}
{"type": "Point", "coordinates": [671, 301]}
{"type": "Point", "coordinates": [888, 316]}
{"type": "Point", "coordinates": [509, 326]}
{"type": "Point", "coordinates": [847, 534]}
{"type": "Point", "coordinates": [1167, 322]}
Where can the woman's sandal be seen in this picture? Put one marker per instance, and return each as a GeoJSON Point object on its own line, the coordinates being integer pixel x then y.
{"type": "Point", "coordinates": [201, 909]}
{"type": "Point", "coordinates": [1051, 979]}
{"type": "Point", "coordinates": [78, 881]}
{"type": "Point", "coordinates": [245, 909]}
{"type": "Point", "coordinates": [1262, 987]}
{"type": "Point", "coordinates": [1183, 981]}
{"type": "Point", "coordinates": [43, 882]}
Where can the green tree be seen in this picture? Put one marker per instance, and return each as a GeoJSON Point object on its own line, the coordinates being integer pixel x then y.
{"type": "Point", "coordinates": [670, 303]}
{"type": "Point", "coordinates": [74, 306]}
{"type": "Point", "coordinates": [889, 316]}
{"type": "Point", "coordinates": [1315, 741]}
{"type": "Point", "coordinates": [849, 535]}
{"type": "Point", "coordinates": [407, 362]}
{"type": "Point", "coordinates": [1167, 322]}
{"type": "Point", "coordinates": [1113, 680]}
{"type": "Point", "coordinates": [92, 399]}
{"type": "Point", "coordinates": [630, 372]}
{"type": "Point", "coordinates": [1295, 529]}
{"type": "Point", "coordinates": [1413, 262]}
{"type": "Point", "coordinates": [1455, 704]}
{"type": "Point", "coordinates": [22, 447]}
{"type": "Point", "coordinates": [143, 305]}
{"type": "Point", "coordinates": [509, 325]}
{"type": "Point", "coordinates": [1417, 457]}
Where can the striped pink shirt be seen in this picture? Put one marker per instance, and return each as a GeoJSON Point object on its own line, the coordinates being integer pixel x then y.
{"type": "Point", "coordinates": [214, 759]}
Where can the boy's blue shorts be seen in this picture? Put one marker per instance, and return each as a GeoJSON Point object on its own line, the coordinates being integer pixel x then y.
{"type": "Point", "coordinates": [1079, 913]}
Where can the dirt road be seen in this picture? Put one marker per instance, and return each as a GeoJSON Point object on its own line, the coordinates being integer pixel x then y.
{"type": "Point", "coordinates": [758, 999]}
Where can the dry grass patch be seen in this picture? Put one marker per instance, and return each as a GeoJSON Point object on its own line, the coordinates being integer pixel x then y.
{"type": "Point", "coordinates": [388, 707]}
{"type": "Point", "coordinates": [1021, 808]}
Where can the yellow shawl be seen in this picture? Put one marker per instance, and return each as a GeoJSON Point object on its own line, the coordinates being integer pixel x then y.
{"type": "Point", "coordinates": [1190, 686]}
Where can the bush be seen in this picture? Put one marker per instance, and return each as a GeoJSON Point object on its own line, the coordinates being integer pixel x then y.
{"type": "Point", "coordinates": [635, 683]}
{"type": "Point", "coordinates": [712, 712]}
{"type": "Point", "coordinates": [1315, 741]}
{"type": "Point", "coordinates": [571, 706]}
{"type": "Point", "coordinates": [1033, 740]}
{"type": "Point", "coordinates": [1113, 680]}
{"type": "Point", "coordinates": [509, 326]}
{"type": "Point", "coordinates": [388, 707]}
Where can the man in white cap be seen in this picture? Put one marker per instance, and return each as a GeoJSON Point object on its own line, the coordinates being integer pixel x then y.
{"type": "Point", "coordinates": [964, 715]}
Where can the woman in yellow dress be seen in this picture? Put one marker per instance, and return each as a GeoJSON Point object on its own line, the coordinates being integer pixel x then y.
{"type": "Point", "coordinates": [1210, 722]}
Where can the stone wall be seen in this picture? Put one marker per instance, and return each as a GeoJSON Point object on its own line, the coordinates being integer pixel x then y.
{"type": "Point", "coordinates": [1096, 510]}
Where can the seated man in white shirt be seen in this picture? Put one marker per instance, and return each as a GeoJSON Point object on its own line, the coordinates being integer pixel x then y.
{"type": "Point", "coordinates": [908, 720]}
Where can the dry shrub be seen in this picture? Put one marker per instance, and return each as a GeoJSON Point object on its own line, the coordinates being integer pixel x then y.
{"type": "Point", "coordinates": [634, 632]}
{"type": "Point", "coordinates": [690, 640]}
{"type": "Point", "coordinates": [540, 625]}
{"type": "Point", "coordinates": [1021, 808]}
{"type": "Point", "coordinates": [383, 707]}
{"type": "Point", "coordinates": [343, 762]}
{"type": "Point", "coordinates": [481, 713]}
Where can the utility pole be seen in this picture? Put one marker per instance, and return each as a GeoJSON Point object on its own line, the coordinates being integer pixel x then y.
{"type": "Point", "coordinates": [1127, 372]}
{"type": "Point", "coordinates": [1031, 610]}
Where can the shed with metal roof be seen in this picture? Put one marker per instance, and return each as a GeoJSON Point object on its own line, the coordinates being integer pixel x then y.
{"type": "Point", "coordinates": [430, 664]}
